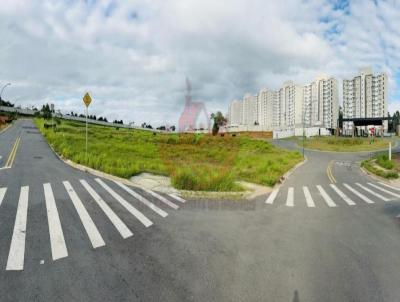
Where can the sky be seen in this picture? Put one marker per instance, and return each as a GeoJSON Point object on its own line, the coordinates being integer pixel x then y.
{"type": "Point", "coordinates": [133, 56]}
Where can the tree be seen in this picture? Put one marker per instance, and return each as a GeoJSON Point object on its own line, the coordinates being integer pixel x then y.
{"type": "Point", "coordinates": [46, 112]}
{"type": "Point", "coordinates": [340, 117]}
{"type": "Point", "coordinates": [219, 121]}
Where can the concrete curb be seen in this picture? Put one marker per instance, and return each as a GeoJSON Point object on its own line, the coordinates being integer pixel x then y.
{"type": "Point", "coordinates": [291, 171]}
{"type": "Point", "coordinates": [350, 152]}
{"type": "Point", "coordinates": [6, 128]}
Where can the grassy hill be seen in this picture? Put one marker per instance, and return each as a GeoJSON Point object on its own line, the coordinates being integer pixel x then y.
{"type": "Point", "coordinates": [194, 162]}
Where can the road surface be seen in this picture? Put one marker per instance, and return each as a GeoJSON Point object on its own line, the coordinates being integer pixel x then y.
{"type": "Point", "coordinates": [330, 233]}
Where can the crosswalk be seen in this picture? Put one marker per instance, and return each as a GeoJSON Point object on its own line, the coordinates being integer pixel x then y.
{"type": "Point", "coordinates": [334, 195]}
{"type": "Point", "coordinates": [80, 203]}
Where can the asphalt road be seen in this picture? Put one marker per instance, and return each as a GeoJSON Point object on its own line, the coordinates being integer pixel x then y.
{"type": "Point", "coordinates": [321, 246]}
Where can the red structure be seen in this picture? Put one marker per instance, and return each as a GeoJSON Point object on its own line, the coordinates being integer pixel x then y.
{"type": "Point", "coordinates": [191, 112]}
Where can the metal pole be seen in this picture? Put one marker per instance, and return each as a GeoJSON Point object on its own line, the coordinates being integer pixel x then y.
{"type": "Point", "coordinates": [390, 150]}
{"type": "Point", "coordinates": [86, 132]}
{"type": "Point", "coordinates": [1, 93]}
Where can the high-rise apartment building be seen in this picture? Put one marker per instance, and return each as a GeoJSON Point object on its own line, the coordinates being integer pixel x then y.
{"type": "Point", "coordinates": [250, 110]}
{"type": "Point", "coordinates": [289, 106]}
{"type": "Point", "coordinates": [265, 107]}
{"type": "Point", "coordinates": [235, 113]}
{"type": "Point", "coordinates": [321, 103]}
{"type": "Point", "coordinates": [365, 96]}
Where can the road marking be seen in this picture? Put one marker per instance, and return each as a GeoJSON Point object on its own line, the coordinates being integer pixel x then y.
{"type": "Point", "coordinates": [161, 198]}
{"type": "Point", "coordinates": [329, 172]}
{"type": "Point", "coordinates": [389, 186]}
{"type": "Point", "coordinates": [2, 194]}
{"type": "Point", "coordinates": [357, 193]}
{"type": "Point", "coordinates": [290, 198]}
{"type": "Point", "coordinates": [57, 241]}
{"type": "Point", "coordinates": [272, 196]}
{"type": "Point", "coordinates": [326, 197]}
{"type": "Point", "coordinates": [344, 196]}
{"type": "Point", "coordinates": [384, 190]}
{"type": "Point", "coordinates": [309, 200]}
{"type": "Point", "coordinates": [13, 152]}
{"type": "Point", "coordinates": [16, 254]}
{"type": "Point", "coordinates": [116, 221]}
{"type": "Point", "coordinates": [372, 192]}
{"type": "Point", "coordinates": [88, 224]}
{"type": "Point", "coordinates": [176, 197]}
{"type": "Point", "coordinates": [143, 200]}
{"type": "Point", "coordinates": [143, 219]}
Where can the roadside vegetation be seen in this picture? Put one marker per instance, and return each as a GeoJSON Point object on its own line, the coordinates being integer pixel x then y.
{"type": "Point", "coordinates": [194, 162]}
{"type": "Point", "coordinates": [345, 144]}
{"type": "Point", "coordinates": [381, 165]}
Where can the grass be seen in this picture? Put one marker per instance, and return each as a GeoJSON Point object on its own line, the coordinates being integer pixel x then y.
{"type": "Point", "coordinates": [370, 165]}
{"type": "Point", "coordinates": [345, 144]}
{"type": "Point", "coordinates": [194, 162]}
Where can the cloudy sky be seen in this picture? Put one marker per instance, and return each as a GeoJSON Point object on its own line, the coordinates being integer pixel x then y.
{"type": "Point", "coordinates": [133, 56]}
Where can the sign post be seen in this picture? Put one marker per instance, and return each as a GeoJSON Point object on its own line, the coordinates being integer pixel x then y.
{"type": "Point", "coordinates": [87, 100]}
{"type": "Point", "coordinates": [390, 150]}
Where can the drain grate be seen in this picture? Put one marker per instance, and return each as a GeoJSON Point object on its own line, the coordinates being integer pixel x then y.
{"type": "Point", "coordinates": [38, 157]}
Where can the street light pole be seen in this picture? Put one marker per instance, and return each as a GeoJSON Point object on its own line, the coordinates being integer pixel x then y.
{"type": "Point", "coordinates": [1, 93]}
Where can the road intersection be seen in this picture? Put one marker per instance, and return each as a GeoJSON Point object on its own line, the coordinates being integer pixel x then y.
{"type": "Point", "coordinates": [330, 233]}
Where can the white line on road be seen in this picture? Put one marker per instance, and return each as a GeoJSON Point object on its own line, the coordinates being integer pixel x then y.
{"type": "Point", "coordinates": [115, 220]}
{"type": "Point", "coordinates": [290, 198]}
{"type": "Point", "coordinates": [143, 200]}
{"type": "Point", "coordinates": [272, 196]}
{"type": "Point", "coordinates": [57, 241]}
{"type": "Point", "coordinates": [309, 200]}
{"type": "Point", "coordinates": [176, 197]}
{"type": "Point", "coordinates": [2, 194]}
{"type": "Point", "coordinates": [384, 190]}
{"type": "Point", "coordinates": [162, 199]}
{"type": "Point", "coordinates": [357, 193]}
{"type": "Point", "coordinates": [88, 224]}
{"type": "Point", "coordinates": [344, 196]}
{"type": "Point", "coordinates": [16, 254]}
{"type": "Point", "coordinates": [326, 197]}
{"type": "Point", "coordinates": [372, 192]}
{"type": "Point", "coordinates": [143, 219]}
{"type": "Point", "coordinates": [389, 186]}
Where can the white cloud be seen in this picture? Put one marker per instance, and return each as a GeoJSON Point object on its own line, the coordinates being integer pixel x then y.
{"type": "Point", "coordinates": [134, 55]}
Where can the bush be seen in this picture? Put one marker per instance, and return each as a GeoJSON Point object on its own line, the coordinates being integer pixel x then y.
{"type": "Point", "coordinates": [384, 162]}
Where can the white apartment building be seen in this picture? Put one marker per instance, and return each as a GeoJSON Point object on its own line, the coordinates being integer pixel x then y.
{"type": "Point", "coordinates": [250, 109]}
{"type": "Point", "coordinates": [288, 106]}
{"type": "Point", "coordinates": [235, 113]}
{"type": "Point", "coordinates": [321, 103]}
{"type": "Point", "coordinates": [365, 96]}
{"type": "Point", "coordinates": [266, 107]}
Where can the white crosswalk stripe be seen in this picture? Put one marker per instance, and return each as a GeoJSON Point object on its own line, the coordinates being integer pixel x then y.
{"type": "Point", "coordinates": [372, 192]}
{"type": "Point", "coordinates": [290, 198]}
{"type": "Point", "coordinates": [390, 187]}
{"type": "Point", "coordinates": [115, 220]}
{"type": "Point", "coordinates": [162, 199]}
{"type": "Point", "coordinates": [143, 219]}
{"type": "Point", "coordinates": [342, 195]}
{"type": "Point", "coordinates": [57, 241]}
{"type": "Point", "coordinates": [143, 200]}
{"type": "Point", "coordinates": [357, 193]}
{"type": "Point", "coordinates": [272, 196]}
{"type": "Point", "coordinates": [16, 254]}
{"type": "Point", "coordinates": [91, 229]}
{"type": "Point", "coordinates": [326, 197]}
{"type": "Point", "coordinates": [2, 194]}
{"type": "Point", "coordinates": [384, 190]}
{"type": "Point", "coordinates": [309, 199]}
{"type": "Point", "coordinates": [176, 197]}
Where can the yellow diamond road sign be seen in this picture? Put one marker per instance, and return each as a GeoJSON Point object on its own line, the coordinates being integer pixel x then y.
{"type": "Point", "coordinates": [87, 99]}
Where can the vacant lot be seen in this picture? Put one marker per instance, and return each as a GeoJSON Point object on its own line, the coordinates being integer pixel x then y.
{"type": "Point", "coordinates": [194, 162]}
{"type": "Point", "coordinates": [345, 144]}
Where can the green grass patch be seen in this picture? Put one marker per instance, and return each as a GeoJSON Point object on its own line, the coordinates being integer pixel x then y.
{"type": "Point", "coordinates": [194, 162]}
{"type": "Point", "coordinates": [372, 165]}
{"type": "Point", "coordinates": [345, 144]}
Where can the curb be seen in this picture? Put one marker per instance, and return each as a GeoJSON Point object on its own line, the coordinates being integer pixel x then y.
{"type": "Point", "coordinates": [351, 152]}
{"type": "Point", "coordinates": [290, 172]}
{"type": "Point", "coordinates": [6, 128]}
